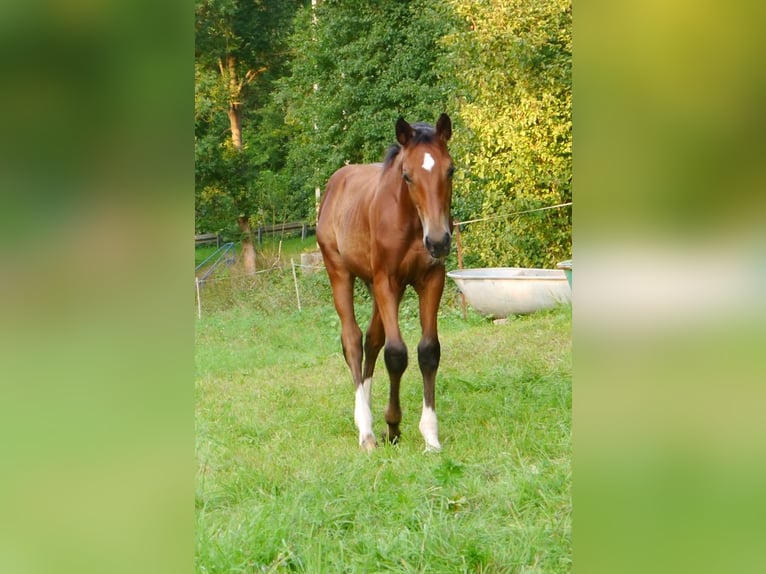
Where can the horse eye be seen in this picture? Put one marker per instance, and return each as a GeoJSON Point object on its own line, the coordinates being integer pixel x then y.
{"type": "Point", "coordinates": [406, 177]}
{"type": "Point", "coordinates": [451, 171]}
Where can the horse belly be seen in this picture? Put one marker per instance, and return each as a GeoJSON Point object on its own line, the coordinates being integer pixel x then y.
{"type": "Point", "coordinates": [343, 229]}
{"type": "Point", "coordinates": [354, 251]}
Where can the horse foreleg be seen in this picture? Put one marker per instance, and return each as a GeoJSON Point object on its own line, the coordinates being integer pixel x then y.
{"type": "Point", "coordinates": [351, 340]}
{"type": "Point", "coordinates": [395, 356]}
{"type": "Point", "coordinates": [387, 298]}
{"type": "Point", "coordinates": [429, 355]}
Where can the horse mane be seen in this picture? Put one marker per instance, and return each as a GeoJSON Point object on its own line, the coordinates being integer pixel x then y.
{"type": "Point", "coordinates": [391, 153]}
{"type": "Point", "coordinates": [424, 133]}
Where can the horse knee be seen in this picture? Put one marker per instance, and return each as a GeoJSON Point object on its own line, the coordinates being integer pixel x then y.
{"type": "Point", "coordinates": [429, 354]}
{"type": "Point", "coordinates": [395, 357]}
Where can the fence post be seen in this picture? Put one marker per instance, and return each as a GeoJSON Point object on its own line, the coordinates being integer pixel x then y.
{"type": "Point", "coordinates": [295, 280]}
{"type": "Point", "coordinates": [460, 265]}
{"type": "Point", "coordinates": [199, 299]}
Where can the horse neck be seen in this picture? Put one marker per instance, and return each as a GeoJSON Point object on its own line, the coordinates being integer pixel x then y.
{"type": "Point", "coordinates": [392, 185]}
{"type": "Point", "coordinates": [392, 211]}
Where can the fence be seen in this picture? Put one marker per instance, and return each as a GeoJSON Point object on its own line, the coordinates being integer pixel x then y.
{"type": "Point", "coordinates": [304, 228]}
{"type": "Point", "coordinates": [205, 238]}
{"type": "Point", "coordinates": [224, 254]}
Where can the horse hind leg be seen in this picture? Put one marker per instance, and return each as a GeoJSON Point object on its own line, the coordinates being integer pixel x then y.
{"type": "Point", "coordinates": [351, 341]}
{"type": "Point", "coordinates": [373, 343]}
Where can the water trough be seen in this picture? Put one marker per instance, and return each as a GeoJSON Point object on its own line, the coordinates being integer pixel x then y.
{"type": "Point", "coordinates": [502, 291]}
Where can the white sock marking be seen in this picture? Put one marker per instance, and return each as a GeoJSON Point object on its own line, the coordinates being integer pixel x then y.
{"type": "Point", "coordinates": [362, 413]}
{"type": "Point", "coordinates": [428, 162]}
{"type": "Point", "coordinates": [368, 391]}
{"type": "Point", "coordinates": [429, 428]}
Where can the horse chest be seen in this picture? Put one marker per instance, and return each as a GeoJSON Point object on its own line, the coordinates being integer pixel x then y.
{"type": "Point", "coordinates": [407, 261]}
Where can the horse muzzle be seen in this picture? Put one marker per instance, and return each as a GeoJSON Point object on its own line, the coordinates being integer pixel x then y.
{"type": "Point", "coordinates": [439, 248]}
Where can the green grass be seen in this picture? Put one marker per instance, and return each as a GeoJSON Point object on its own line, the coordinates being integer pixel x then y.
{"type": "Point", "coordinates": [202, 252]}
{"type": "Point", "coordinates": [283, 487]}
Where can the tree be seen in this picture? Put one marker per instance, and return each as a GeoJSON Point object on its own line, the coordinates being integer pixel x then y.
{"type": "Point", "coordinates": [358, 65]}
{"type": "Point", "coordinates": [515, 104]}
{"type": "Point", "coordinates": [286, 93]}
{"type": "Point", "coordinates": [239, 51]}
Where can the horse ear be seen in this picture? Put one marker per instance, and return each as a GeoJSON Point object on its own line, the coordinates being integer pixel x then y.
{"type": "Point", "coordinates": [444, 127]}
{"type": "Point", "coordinates": [403, 131]}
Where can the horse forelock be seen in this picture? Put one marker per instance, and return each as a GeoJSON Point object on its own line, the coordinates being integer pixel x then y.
{"type": "Point", "coordinates": [425, 133]}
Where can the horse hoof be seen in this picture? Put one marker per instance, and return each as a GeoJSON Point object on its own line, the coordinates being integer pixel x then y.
{"type": "Point", "coordinates": [389, 438]}
{"type": "Point", "coordinates": [369, 444]}
{"type": "Point", "coordinates": [432, 449]}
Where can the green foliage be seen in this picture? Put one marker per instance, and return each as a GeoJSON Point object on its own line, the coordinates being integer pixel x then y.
{"type": "Point", "coordinates": [357, 67]}
{"type": "Point", "coordinates": [240, 52]}
{"type": "Point", "coordinates": [339, 74]}
{"type": "Point", "coordinates": [515, 104]}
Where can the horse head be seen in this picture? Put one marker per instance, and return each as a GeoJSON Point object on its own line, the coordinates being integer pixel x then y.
{"type": "Point", "coordinates": [427, 172]}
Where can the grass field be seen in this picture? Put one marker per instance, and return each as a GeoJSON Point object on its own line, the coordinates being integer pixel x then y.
{"type": "Point", "coordinates": [282, 485]}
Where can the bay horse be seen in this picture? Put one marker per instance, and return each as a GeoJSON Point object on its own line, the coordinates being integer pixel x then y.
{"type": "Point", "coordinates": [389, 225]}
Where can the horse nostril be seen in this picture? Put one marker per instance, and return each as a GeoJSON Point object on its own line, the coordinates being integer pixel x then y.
{"type": "Point", "coordinates": [446, 243]}
{"type": "Point", "coordinates": [439, 248]}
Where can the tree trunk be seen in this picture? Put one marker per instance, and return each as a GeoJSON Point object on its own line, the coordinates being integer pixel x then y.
{"type": "Point", "coordinates": [235, 93]}
{"type": "Point", "coordinates": [236, 85]}
{"type": "Point", "coordinates": [248, 248]}
{"type": "Point", "coordinates": [235, 123]}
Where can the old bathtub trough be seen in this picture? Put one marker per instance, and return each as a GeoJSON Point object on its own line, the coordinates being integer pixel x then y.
{"type": "Point", "coordinates": [502, 291]}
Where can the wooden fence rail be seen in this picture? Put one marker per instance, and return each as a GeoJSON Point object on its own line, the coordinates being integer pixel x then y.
{"type": "Point", "coordinates": [304, 228]}
{"type": "Point", "coordinates": [204, 238]}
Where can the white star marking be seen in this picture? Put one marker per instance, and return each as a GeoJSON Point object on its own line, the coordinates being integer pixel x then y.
{"type": "Point", "coordinates": [428, 162]}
